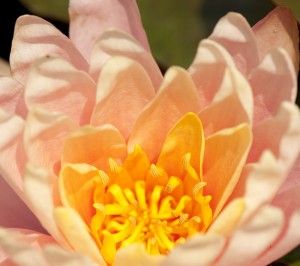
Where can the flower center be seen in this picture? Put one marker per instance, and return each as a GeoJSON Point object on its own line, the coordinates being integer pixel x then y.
{"type": "Point", "coordinates": [155, 209]}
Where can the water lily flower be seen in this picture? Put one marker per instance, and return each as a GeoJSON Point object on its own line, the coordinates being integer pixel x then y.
{"type": "Point", "coordinates": [116, 164]}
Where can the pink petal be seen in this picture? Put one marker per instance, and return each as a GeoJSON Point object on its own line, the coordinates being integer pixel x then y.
{"type": "Point", "coordinates": [280, 135]}
{"type": "Point", "coordinates": [12, 151]}
{"type": "Point", "coordinates": [200, 250]}
{"type": "Point", "coordinates": [251, 239]}
{"type": "Point", "coordinates": [289, 240]}
{"type": "Point", "coordinates": [278, 29]}
{"type": "Point", "coordinates": [14, 213]}
{"type": "Point", "coordinates": [44, 136]}
{"type": "Point", "coordinates": [231, 106]}
{"type": "Point", "coordinates": [90, 18]}
{"type": "Point", "coordinates": [57, 86]}
{"type": "Point", "coordinates": [169, 105]}
{"type": "Point", "coordinates": [235, 34]}
{"type": "Point", "coordinates": [94, 146]}
{"type": "Point", "coordinates": [274, 75]}
{"type": "Point", "coordinates": [210, 62]}
{"type": "Point", "coordinates": [112, 43]}
{"type": "Point", "coordinates": [12, 97]}
{"type": "Point", "coordinates": [34, 38]}
{"type": "Point", "coordinates": [124, 89]}
{"type": "Point", "coordinates": [23, 247]}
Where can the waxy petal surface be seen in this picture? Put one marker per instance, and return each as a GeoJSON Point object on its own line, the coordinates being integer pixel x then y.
{"type": "Point", "coordinates": [95, 16]}
{"type": "Point", "coordinates": [125, 82]}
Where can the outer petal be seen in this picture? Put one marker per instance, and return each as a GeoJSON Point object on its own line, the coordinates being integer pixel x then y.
{"type": "Point", "coordinates": [289, 240]}
{"type": "Point", "coordinates": [58, 86]}
{"type": "Point", "coordinates": [278, 29]}
{"type": "Point", "coordinates": [200, 250]}
{"type": "Point", "coordinates": [234, 33]}
{"type": "Point", "coordinates": [224, 156]}
{"type": "Point", "coordinates": [280, 134]}
{"type": "Point", "coordinates": [210, 62]}
{"type": "Point", "coordinates": [274, 75]}
{"type": "Point", "coordinates": [44, 136]}
{"type": "Point", "coordinates": [112, 43]}
{"type": "Point", "coordinates": [34, 38]}
{"type": "Point", "coordinates": [231, 106]}
{"type": "Point", "coordinates": [94, 146]}
{"type": "Point", "coordinates": [14, 213]}
{"type": "Point", "coordinates": [4, 68]}
{"type": "Point", "coordinates": [170, 104]}
{"type": "Point", "coordinates": [12, 97]}
{"type": "Point", "coordinates": [261, 231]}
{"type": "Point", "coordinates": [24, 247]}
{"type": "Point", "coordinates": [76, 233]}
{"type": "Point", "coordinates": [94, 16]}
{"type": "Point", "coordinates": [136, 255]}
{"type": "Point", "coordinates": [124, 88]}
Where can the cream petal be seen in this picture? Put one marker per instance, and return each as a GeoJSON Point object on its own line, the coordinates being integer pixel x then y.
{"type": "Point", "coordinates": [231, 106]}
{"type": "Point", "coordinates": [253, 238]}
{"type": "Point", "coordinates": [224, 157]}
{"type": "Point", "coordinates": [44, 136]}
{"type": "Point", "coordinates": [169, 105]}
{"type": "Point", "coordinates": [76, 232]}
{"type": "Point", "coordinates": [136, 255]}
{"type": "Point", "coordinates": [55, 255]}
{"type": "Point", "coordinates": [210, 62]}
{"type": "Point", "coordinates": [279, 134]}
{"type": "Point", "coordinates": [24, 247]}
{"type": "Point", "coordinates": [12, 97]}
{"type": "Point", "coordinates": [14, 212]}
{"type": "Point", "coordinates": [4, 68]}
{"type": "Point", "coordinates": [56, 85]}
{"type": "Point", "coordinates": [93, 17]}
{"type": "Point", "coordinates": [274, 75]}
{"type": "Point", "coordinates": [235, 34]}
{"type": "Point", "coordinates": [289, 240]}
{"type": "Point", "coordinates": [124, 88]}
{"type": "Point", "coordinates": [12, 151]}
{"type": "Point", "coordinates": [200, 250]}
{"type": "Point", "coordinates": [114, 42]}
{"type": "Point", "coordinates": [94, 146]}
{"type": "Point", "coordinates": [278, 29]}
{"type": "Point", "coordinates": [38, 188]}
{"type": "Point", "coordinates": [34, 38]}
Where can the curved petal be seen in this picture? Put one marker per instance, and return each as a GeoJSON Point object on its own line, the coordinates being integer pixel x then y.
{"type": "Point", "coordinates": [58, 86]}
{"type": "Point", "coordinates": [94, 146]}
{"type": "Point", "coordinates": [274, 75]}
{"type": "Point", "coordinates": [14, 212]}
{"type": "Point", "coordinates": [38, 188]}
{"type": "Point", "coordinates": [169, 105]}
{"type": "Point", "coordinates": [224, 156]}
{"type": "Point", "coordinates": [114, 42]}
{"type": "Point", "coordinates": [278, 29]}
{"type": "Point", "coordinates": [231, 106]}
{"type": "Point", "coordinates": [200, 250]}
{"type": "Point", "coordinates": [44, 136]}
{"type": "Point", "coordinates": [279, 134]}
{"type": "Point", "coordinates": [34, 38]}
{"type": "Point", "coordinates": [24, 247]}
{"type": "Point", "coordinates": [136, 255]}
{"type": "Point", "coordinates": [12, 97]}
{"type": "Point", "coordinates": [261, 231]}
{"type": "Point", "coordinates": [289, 240]}
{"type": "Point", "coordinates": [76, 233]}
{"type": "Point", "coordinates": [235, 34]}
{"type": "Point", "coordinates": [94, 16]}
{"type": "Point", "coordinates": [210, 62]}
{"type": "Point", "coordinates": [124, 88]}
{"type": "Point", "coordinates": [12, 151]}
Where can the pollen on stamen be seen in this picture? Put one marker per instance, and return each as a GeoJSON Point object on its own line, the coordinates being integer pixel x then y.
{"type": "Point", "coordinates": [155, 171]}
{"type": "Point", "coordinates": [113, 166]}
{"type": "Point", "coordinates": [186, 160]}
{"type": "Point", "coordinates": [104, 177]}
{"type": "Point", "coordinates": [197, 188]}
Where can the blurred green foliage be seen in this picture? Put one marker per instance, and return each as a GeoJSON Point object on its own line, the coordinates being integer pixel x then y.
{"type": "Point", "coordinates": [294, 5]}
